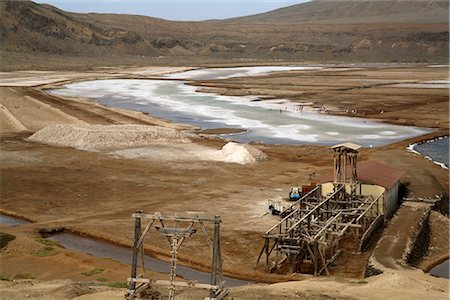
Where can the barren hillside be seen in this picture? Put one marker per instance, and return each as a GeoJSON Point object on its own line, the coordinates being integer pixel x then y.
{"type": "Point", "coordinates": [352, 12]}
{"type": "Point", "coordinates": [317, 31]}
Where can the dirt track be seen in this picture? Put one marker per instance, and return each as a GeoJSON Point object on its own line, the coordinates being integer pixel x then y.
{"type": "Point", "coordinates": [95, 194]}
{"type": "Point", "coordinates": [397, 236]}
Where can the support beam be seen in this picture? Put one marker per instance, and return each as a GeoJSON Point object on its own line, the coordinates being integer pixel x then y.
{"type": "Point", "coordinates": [215, 255]}
{"type": "Point", "coordinates": [172, 228]}
{"type": "Point", "coordinates": [137, 230]}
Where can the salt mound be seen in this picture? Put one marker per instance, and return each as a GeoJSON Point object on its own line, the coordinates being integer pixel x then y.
{"type": "Point", "coordinates": [241, 153]}
{"type": "Point", "coordinates": [96, 137]}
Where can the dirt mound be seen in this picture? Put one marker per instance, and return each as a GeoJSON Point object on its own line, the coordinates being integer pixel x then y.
{"type": "Point", "coordinates": [241, 153]}
{"type": "Point", "coordinates": [97, 137]}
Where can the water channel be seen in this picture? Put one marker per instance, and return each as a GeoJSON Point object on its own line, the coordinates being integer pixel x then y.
{"type": "Point", "coordinates": [121, 254]}
{"type": "Point", "coordinates": [11, 221]}
{"type": "Point", "coordinates": [108, 250]}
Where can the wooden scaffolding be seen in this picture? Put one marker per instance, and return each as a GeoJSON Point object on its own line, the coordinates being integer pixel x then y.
{"type": "Point", "coordinates": [346, 155]}
{"type": "Point", "coordinates": [309, 237]}
{"type": "Point", "coordinates": [176, 229]}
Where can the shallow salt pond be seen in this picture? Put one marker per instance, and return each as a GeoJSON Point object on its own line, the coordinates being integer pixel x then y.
{"type": "Point", "coordinates": [270, 121]}
{"type": "Point", "coordinates": [222, 73]}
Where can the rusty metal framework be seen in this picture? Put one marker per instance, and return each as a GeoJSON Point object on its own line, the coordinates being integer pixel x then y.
{"type": "Point", "coordinates": [310, 235]}
{"type": "Point", "coordinates": [176, 229]}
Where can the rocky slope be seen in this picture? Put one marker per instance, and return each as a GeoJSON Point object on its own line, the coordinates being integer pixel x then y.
{"type": "Point", "coordinates": [26, 26]}
{"type": "Point", "coordinates": [356, 31]}
{"type": "Point", "coordinates": [353, 12]}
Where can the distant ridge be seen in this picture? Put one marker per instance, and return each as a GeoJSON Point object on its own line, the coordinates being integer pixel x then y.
{"type": "Point", "coordinates": [316, 31]}
{"type": "Point", "coordinates": [356, 11]}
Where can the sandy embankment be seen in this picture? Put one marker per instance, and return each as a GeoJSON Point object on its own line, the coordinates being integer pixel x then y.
{"type": "Point", "coordinates": [24, 108]}
{"type": "Point", "coordinates": [42, 78]}
{"type": "Point", "coordinates": [25, 113]}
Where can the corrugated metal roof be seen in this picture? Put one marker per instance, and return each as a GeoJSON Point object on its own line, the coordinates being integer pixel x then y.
{"type": "Point", "coordinates": [352, 146]}
{"type": "Point", "coordinates": [373, 172]}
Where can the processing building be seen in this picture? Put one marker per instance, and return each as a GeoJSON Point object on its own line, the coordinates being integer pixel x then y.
{"type": "Point", "coordinates": [347, 208]}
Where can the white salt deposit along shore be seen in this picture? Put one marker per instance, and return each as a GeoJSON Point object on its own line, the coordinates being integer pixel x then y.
{"type": "Point", "coordinates": [230, 153]}
{"type": "Point", "coordinates": [98, 137]}
{"type": "Point", "coordinates": [240, 153]}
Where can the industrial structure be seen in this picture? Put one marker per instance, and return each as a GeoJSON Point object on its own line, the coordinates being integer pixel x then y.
{"type": "Point", "coordinates": [312, 232]}
{"type": "Point", "coordinates": [176, 229]}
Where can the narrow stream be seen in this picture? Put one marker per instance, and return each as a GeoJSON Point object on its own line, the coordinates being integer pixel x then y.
{"type": "Point", "coordinates": [11, 221]}
{"type": "Point", "coordinates": [124, 255]}
{"type": "Point", "coordinates": [108, 250]}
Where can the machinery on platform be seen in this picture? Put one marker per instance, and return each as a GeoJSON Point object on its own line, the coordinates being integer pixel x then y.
{"type": "Point", "coordinates": [295, 194]}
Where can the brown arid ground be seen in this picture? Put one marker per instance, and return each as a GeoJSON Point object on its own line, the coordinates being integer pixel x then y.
{"type": "Point", "coordinates": [94, 194]}
{"type": "Point", "coordinates": [402, 285]}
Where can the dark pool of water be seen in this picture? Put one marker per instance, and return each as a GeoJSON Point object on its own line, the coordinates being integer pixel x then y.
{"type": "Point", "coordinates": [437, 150]}
{"type": "Point", "coordinates": [124, 255]}
{"type": "Point", "coordinates": [11, 221]}
{"type": "Point", "coordinates": [441, 270]}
